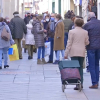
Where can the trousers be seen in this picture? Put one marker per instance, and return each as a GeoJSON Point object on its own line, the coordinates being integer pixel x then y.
{"type": "Point", "coordinates": [30, 50]}
{"type": "Point", "coordinates": [41, 50]}
{"type": "Point", "coordinates": [93, 58]}
{"type": "Point", "coordinates": [81, 60]}
{"type": "Point", "coordinates": [5, 56]}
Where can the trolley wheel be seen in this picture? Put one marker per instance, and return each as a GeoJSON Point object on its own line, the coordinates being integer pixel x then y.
{"type": "Point", "coordinates": [80, 87]}
{"type": "Point", "coordinates": [63, 88]}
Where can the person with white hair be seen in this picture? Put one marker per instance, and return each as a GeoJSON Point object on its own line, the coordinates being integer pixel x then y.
{"type": "Point", "coordinates": [18, 27]}
{"type": "Point", "coordinates": [93, 49]}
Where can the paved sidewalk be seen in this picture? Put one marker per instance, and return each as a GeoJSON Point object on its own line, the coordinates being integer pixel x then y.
{"type": "Point", "coordinates": [25, 80]}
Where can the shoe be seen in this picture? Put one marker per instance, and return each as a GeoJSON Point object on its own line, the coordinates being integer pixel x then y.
{"type": "Point", "coordinates": [43, 60]}
{"type": "Point", "coordinates": [0, 67]}
{"type": "Point", "coordinates": [56, 62]}
{"type": "Point", "coordinates": [29, 57]}
{"type": "Point", "coordinates": [50, 62]}
{"type": "Point", "coordinates": [76, 88]}
{"type": "Point", "coordinates": [39, 61]}
{"type": "Point", "coordinates": [20, 58]}
{"type": "Point", "coordinates": [94, 87]}
{"type": "Point", "coordinates": [6, 66]}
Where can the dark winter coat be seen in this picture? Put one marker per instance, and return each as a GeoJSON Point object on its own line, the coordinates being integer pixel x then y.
{"type": "Point", "coordinates": [38, 33]}
{"type": "Point", "coordinates": [27, 19]}
{"type": "Point", "coordinates": [18, 27]}
{"type": "Point", "coordinates": [45, 24]}
{"type": "Point", "coordinates": [49, 32]}
{"type": "Point", "coordinates": [93, 28]}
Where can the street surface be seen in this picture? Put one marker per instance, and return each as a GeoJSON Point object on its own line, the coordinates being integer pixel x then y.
{"type": "Point", "coordinates": [25, 80]}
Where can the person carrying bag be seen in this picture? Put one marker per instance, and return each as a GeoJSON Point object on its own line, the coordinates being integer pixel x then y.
{"type": "Point", "coordinates": [5, 35]}
{"type": "Point", "coordinates": [5, 42]}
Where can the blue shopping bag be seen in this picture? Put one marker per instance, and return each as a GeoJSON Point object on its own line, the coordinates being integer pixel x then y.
{"type": "Point", "coordinates": [10, 51]}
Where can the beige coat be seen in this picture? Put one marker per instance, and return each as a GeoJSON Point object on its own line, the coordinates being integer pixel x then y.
{"type": "Point", "coordinates": [77, 41]}
{"type": "Point", "coordinates": [59, 32]}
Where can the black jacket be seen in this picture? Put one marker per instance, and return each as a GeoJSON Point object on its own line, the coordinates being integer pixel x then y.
{"type": "Point", "coordinates": [27, 19]}
{"type": "Point", "coordinates": [18, 27]}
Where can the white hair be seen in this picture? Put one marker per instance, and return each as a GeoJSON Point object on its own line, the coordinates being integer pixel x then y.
{"type": "Point", "coordinates": [91, 14]}
{"type": "Point", "coordinates": [16, 14]}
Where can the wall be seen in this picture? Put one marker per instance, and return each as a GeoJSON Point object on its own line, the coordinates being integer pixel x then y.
{"type": "Point", "coordinates": [72, 5]}
{"type": "Point", "coordinates": [8, 10]}
{"type": "Point", "coordinates": [85, 9]}
{"type": "Point", "coordinates": [8, 7]}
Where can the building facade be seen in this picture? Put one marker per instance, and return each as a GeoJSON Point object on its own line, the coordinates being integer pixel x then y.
{"type": "Point", "coordinates": [85, 9]}
{"type": "Point", "coordinates": [8, 7]}
{"type": "Point", "coordinates": [98, 9]}
{"type": "Point", "coordinates": [6, 10]}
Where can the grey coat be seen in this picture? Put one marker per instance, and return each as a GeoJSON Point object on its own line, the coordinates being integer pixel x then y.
{"type": "Point", "coordinates": [4, 43]}
{"type": "Point", "coordinates": [18, 27]}
{"type": "Point", "coordinates": [38, 33]}
{"type": "Point", "coordinates": [67, 23]}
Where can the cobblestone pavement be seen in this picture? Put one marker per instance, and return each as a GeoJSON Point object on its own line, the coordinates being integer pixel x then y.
{"type": "Point", "coordinates": [25, 80]}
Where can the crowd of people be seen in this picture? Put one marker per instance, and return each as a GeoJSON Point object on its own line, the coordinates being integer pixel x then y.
{"type": "Point", "coordinates": [69, 36]}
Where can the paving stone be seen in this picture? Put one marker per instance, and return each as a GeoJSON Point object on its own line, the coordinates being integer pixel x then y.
{"type": "Point", "coordinates": [25, 80]}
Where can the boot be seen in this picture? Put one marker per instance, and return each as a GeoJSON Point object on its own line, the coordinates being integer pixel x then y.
{"type": "Point", "coordinates": [43, 60]}
{"type": "Point", "coordinates": [39, 61]}
{"type": "Point", "coordinates": [0, 67]}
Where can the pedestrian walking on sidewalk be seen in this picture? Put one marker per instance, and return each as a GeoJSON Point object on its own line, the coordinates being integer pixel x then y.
{"type": "Point", "coordinates": [67, 22]}
{"type": "Point", "coordinates": [28, 18]}
{"type": "Point", "coordinates": [77, 41]}
{"type": "Point", "coordinates": [18, 27]}
{"type": "Point", "coordinates": [93, 49]}
{"type": "Point", "coordinates": [59, 38]}
{"type": "Point", "coordinates": [29, 40]}
{"type": "Point", "coordinates": [4, 45]}
{"type": "Point", "coordinates": [50, 35]}
{"type": "Point", "coordinates": [39, 39]}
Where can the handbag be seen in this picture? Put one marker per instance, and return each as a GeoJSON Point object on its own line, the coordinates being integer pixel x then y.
{"type": "Point", "coordinates": [5, 35]}
{"type": "Point", "coordinates": [47, 48]}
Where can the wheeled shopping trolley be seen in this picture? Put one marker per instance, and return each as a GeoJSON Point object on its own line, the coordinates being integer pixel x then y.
{"type": "Point", "coordinates": [70, 73]}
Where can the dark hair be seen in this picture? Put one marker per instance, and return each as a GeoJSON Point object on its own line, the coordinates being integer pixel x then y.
{"type": "Point", "coordinates": [72, 16]}
{"type": "Point", "coordinates": [79, 17]}
{"type": "Point", "coordinates": [34, 15]}
{"type": "Point", "coordinates": [1, 19]}
{"type": "Point", "coordinates": [39, 17]}
{"type": "Point", "coordinates": [58, 16]}
{"type": "Point", "coordinates": [16, 12]}
{"type": "Point", "coordinates": [79, 22]}
{"type": "Point", "coordinates": [69, 14]}
{"type": "Point", "coordinates": [47, 15]}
